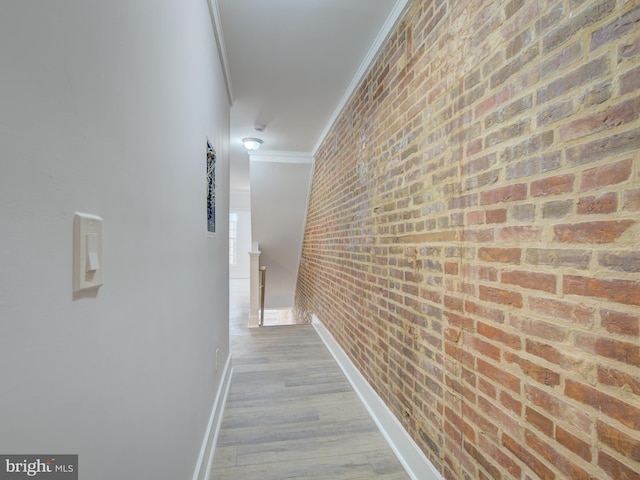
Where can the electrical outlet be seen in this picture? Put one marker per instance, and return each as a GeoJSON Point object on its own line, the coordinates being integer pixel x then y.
{"type": "Point", "coordinates": [217, 358]}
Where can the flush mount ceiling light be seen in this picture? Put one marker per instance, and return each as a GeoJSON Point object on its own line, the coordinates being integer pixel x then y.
{"type": "Point", "coordinates": [251, 143]}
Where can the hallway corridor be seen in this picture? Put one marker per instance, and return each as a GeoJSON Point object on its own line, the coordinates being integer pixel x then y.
{"type": "Point", "coordinates": [291, 413]}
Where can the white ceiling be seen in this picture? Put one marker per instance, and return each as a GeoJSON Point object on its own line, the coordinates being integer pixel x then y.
{"type": "Point", "coordinates": [290, 64]}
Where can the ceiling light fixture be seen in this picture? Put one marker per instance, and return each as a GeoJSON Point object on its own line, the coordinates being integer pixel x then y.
{"type": "Point", "coordinates": [251, 143]}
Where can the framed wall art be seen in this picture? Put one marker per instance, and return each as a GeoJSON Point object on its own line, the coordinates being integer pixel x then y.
{"type": "Point", "coordinates": [211, 188]}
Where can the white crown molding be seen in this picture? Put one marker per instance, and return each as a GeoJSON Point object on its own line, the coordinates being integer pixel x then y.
{"type": "Point", "coordinates": [396, 14]}
{"type": "Point", "coordinates": [214, 12]}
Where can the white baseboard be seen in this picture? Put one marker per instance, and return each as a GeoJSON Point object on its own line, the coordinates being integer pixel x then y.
{"type": "Point", "coordinates": [413, 460]}
{"type": "Point", "coordinates": [203, 468]}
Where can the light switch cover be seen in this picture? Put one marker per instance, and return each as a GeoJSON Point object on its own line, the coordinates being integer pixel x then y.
{"type": "Point", "coordinates": [87, 252]}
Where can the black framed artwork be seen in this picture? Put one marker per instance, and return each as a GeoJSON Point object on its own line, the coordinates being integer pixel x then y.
{"type": "Point", "coordinates": [211, 188]}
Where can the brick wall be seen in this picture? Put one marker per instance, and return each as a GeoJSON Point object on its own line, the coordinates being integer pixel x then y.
{"type": "Point", "coordinates": [473, 235]}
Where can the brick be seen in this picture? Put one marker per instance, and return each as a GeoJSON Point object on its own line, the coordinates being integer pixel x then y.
{"type": "Point", "coordinates": [539, 421]}
{"type": "Point", "coordinates": [509, 193]}
{"type": "Point", "coordinates": [510, 403]}
{"type": "Point", "coordinates": [475, 218]}
{"type": "Point", "coordinates": [463, 201]}
{"type": "Point", "coordinates": [596, 94]}
{"type": "Point", "coordinates": [615, 29]}
{"type": "Point", "coordinates": [509, 111]}
{"type": "Point", "coordinates": [573, 443]}
{"type": "Point", "coordinates": [624, 352]}
{"type": "Point", "coordinates": [591, 205]}
{"type": "Point", "coordinates": [512, 7]}
{"type": "Point", "coordinates": [605, 175]}
{"type": "Point", "coordinates": [503, 419]}
{"type": "Point", "coordinates": [568, 29]}
{"type": "Point", "coordinates": [495, 100]}
{"type": "Point", "coordinates": [632, 200]}
{"type": "Point", "coordinates": [630, 81]}
{"type": "Point", "coordinates": [500, 255]}
{"type": "Point", "coordinates": [532, 280]}
{"type": "Point", "coordinates": [522, 18]}
{"type": "Point", "coordinates": [615, 469]}
{"type": "Point", "coordinates": [487, 388]}
{"type": "Point", "coordinates": [505, 461]}
{"type": "Point", "coordinates": [621, 291]}
{"type": "Point", "coordinates": [453, 303]}
{"type": "Point", "coordinates": [550, 19]}
{"type": "Point", "coordinates": [460, 321]}
{"type": "Point", "coordinates": [605, 231]}
{"type": "Point", "coordinates": [604, 147]}
{"type": "Point", "coordinates": [459, 354]}
{"type": "Point", "coordinates": [532, 145]}
{"type": "Point", "coordinates": [479, 418]}
{"type": "Point", "coordinates": [478, 457]}
{"type": "Point", "coordinates": [507, 133]}
{"type": "Point", "coordinates": [547, 352]}
{"type": "Point", "coordinates": [557, 208]}
{"type": "Point", "coordinates": [558, 408]}
{"type": "Point", "coordinates": [563, 310]}
{"type": "Point", "coordinates": [484, 179]}
{"type": "Point", "coordinates": [552, 455]}
{"type": "Point", "coordinates": [515, 66]}
{"type": "Point", "coordinates": [496, 216]}
{"type": "Point", "coordinates": [522, 213]}
{"type": "Point", "coordinates": [499, 375]}
{"type": "Point", "coordinates": [509, 339]}
{"type": "Point", "coordinates": [483, 311]}
{"type": "Point", "coordinates": [552, 185]}
{"type": "Point", "coordinates": [520, 234]}
{"type": "Point", "coordinates": [614, 116]}
{"type": "Point", "coordinates": [556, 257]}
{"type": "Point", "coordinates": [478, 236]}
{"type": "Point", "coordinates": [622, 262]}
{"type": "Point", "coordinates": [474, 146]}
{"type": "Point", "coordinates": [619, 441]}
{"type": "Point", "coordinates": [611, 406]}
{"type": "Point", "coordinates": [540, 469]}
{"type": "Point", "coordinates": [484, 348]}
{"type": "Point", "coordinates": [459, 424]}
{"type": "Point", "coordinates": [539, 328]}
{"type": "Point", "coordinates": [576, 78]}
{"type": "Point", "coordinates": [566, 57]}
{"type": "Point", "coordinates": [537, 372]}
{"type": "Point", "coordinates": [479, 272]}
{"type": "Point", "coordinates": [479, 164]}
{"type": "Point", "coordinates": [501, 297]}
{"type": "Point", "coordinates": [555, 112]}
{"type": "Point", "coordinates": [620, 323]}
{"type": "Point", "coordinates": [451, 268]}
{"type": "Point", "coordinates": [518, 44]}
{"type": "Point", "coordinates": [629, 49]}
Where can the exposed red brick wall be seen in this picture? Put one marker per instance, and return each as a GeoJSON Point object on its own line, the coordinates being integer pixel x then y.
{"type": "Point", "coordinates": [473, 235]}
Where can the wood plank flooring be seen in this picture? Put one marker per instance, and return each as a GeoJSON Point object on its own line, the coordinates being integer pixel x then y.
{"type": "Point", "coordinates": [291, 413]}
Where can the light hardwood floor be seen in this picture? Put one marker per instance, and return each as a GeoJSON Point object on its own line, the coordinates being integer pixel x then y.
{"type": "Point", "coordinates": [291, 413]}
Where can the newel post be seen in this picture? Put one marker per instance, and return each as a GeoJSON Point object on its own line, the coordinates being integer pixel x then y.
{"type": "Point", "coordinates": [254, 288]}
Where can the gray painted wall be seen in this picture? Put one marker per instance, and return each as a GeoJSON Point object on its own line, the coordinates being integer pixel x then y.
{"type": "Point", "coordinates": [105, 108]}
